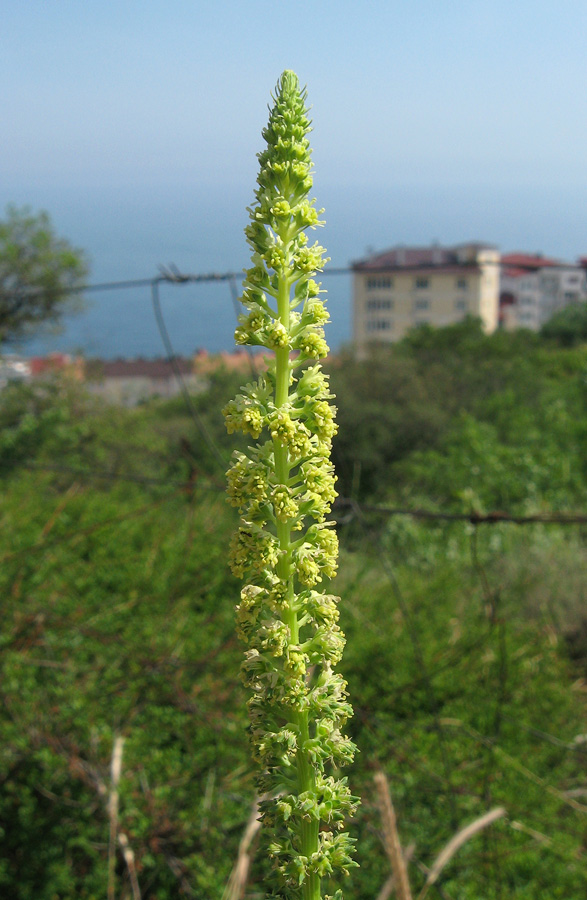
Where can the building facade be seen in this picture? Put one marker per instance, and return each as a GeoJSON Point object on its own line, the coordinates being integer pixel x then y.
{"type": "Point", "coordinates": [533, 288]}
{"type": "Point", "coordinates": [128, 382]}
{"type": "Point", "coordinates": [404, 287]}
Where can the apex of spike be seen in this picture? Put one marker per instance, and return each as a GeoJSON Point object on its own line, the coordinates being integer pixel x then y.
{"type": "Point", "coordinates": [289, 81]}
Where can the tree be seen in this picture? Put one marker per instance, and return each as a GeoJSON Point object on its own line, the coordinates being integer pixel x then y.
{"type": "Point", "coordinates": [40, 273]}
{"type": "Point", "coordinates": [568, 326]}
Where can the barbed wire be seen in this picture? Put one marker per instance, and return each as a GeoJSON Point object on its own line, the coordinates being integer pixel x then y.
{"type": "Point", "coordinates": [474, 518]}
{"type": "Point", "coordinates": [173, 275]}
{"type": "Point", "coordinates": [43, 544]}
{"type": "Point", "coordinates": [203, 485]}
{"type": "Point", "coordinates": [357, 508]}
{"type": "Point", "coordinates": [169, 273]}
{"type": "Point", "coordinates": [172, 360]}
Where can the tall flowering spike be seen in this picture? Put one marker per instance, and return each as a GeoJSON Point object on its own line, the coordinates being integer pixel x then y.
{"type": "Point", "coordinates": [284, 547]}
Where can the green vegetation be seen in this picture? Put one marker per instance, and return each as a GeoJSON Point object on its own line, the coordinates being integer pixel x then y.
{"type": "Point", "coordinates": [568, 326]}
{"type": "Point", "coordinates": [466, 651]}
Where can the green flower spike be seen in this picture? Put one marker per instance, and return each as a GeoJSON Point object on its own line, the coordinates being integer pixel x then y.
{"type": "Point", "coordinates": [284, 546]}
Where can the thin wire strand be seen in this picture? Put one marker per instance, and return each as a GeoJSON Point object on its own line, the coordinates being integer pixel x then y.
{"type": "Point", "coordinates": [172, 360]}
{"type": "Point", "coordinates": [474, 518]}
{"type": "Point", "coordinates": [353, 505]}
{"type": "Point", "coordinates": [232, 284]}
{"type": "Point", "coordinates": [80, 532]}
{"type": "Point", "coordinates": [173, 275]}
{"type": "Point", "coordinates": [419, 654]}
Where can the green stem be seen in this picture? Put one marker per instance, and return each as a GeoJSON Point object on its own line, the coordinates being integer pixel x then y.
{"type": "Point", "coordinates": [305, 772]}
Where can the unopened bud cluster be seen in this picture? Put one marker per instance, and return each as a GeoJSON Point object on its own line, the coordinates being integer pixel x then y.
{"type": "Point", "coordinates": [285, 548]}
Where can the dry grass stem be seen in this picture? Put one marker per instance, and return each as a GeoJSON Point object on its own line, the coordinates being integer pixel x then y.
{"type": "Point", "coordinates": [69, 495]}
{"type": "Point", "coordinates": [129, 859]}
{"type": "Point", "coordinates": [537, 835]}
{"type": "Point", "coordinates": [113, 797]}
{"type": "Point", "coordinates": [391, 838]}
{"type": "Point", "coordinates": [460, 838]}
{"type": "Point", "coordinates": [387, 889]}
{"type": "Point", "coordinates": [235, 888]}
{"type": "Point", "coordinates": [208, 795]}
{"type": "Point", "coordinates": [389, 886]}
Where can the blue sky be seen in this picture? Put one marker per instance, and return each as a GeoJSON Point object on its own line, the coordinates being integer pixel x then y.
{"type": "Point", "coordinates": [440, 92]}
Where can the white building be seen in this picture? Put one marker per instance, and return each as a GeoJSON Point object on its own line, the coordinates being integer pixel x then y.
{"type": "Point", "coordinates": [14, 368]}
{"type": "Point", "coordinates": [533, 288]}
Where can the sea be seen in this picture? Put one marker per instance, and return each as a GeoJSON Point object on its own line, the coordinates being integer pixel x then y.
{"type": "Point", "coordinates": [130, 231]}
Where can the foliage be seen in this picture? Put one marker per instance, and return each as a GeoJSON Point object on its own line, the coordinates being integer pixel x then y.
{"type": "Point", "coordinates": [116, 620]}
{"type": "Point", "coordinates": [466, 713]}
{"type": "Point", "coordinates": [38, 272]}
{"type": "Point", "coordinates": [568, 326]}
{"type": "Point", "coordinates": [432, 406]}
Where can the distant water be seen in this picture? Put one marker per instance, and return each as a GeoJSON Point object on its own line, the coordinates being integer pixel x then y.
{"type": "Point", "coordinates": [128, 232]}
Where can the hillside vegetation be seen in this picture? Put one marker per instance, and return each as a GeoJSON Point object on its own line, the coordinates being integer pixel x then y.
{"type": "Point", "coordinates": [467, 643]}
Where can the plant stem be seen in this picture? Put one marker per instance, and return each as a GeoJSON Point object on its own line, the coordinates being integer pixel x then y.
{"type": "Point", "coordinates": [305, 773]}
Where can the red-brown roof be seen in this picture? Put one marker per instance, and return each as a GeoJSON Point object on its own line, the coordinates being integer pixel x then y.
{"type": "Point", "coordinates": [54, 362]}
{"type": "Point", "coordinates": [516, 264]}
{"type": "Point", "coordinates": [145, 368]}
{"type": "Point", "coordinates": [441, 259]}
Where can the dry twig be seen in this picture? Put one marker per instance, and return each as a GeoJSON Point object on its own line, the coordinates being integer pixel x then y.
{"type": "Point", "coordinates": [113, 797]}
{"type": "Point", "coordinates": [129, 859]}
{"type": "Point", "coordinates": [456, 843]}
{"type": "Point", "coordinates": [235, 888]}
{"type": "Point", "coordinates": [389, 886]}
{"type": "Point", "coordinates": [391, 838]}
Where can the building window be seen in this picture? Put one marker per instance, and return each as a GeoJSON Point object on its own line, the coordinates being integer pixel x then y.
{"type": "Point", "coordinates": [422, 304]}
{"type": "Point", "coordinates": [379, 281]}
{"type": "Point", "coordinates": [422, 283]}
{"type": "Point", "coordinates": [462, 284]}
{"type": "Point", "coordinates": [527, 301]}
{"type": "Point", "coordinates": [379, 325]}
{"type": "Point", "coordinates": [375, 303]}
{"type": "Point", "coordinates": [461, 305]}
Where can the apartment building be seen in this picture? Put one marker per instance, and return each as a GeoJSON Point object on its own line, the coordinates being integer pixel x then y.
{"type": "Point", "coordinates": [534, 287]}
{"type": "Point", "coordinates": [403, 287]}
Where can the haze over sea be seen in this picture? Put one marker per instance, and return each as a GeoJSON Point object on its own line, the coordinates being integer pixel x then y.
{"type": "Point", "coordinates": [128, 232]}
